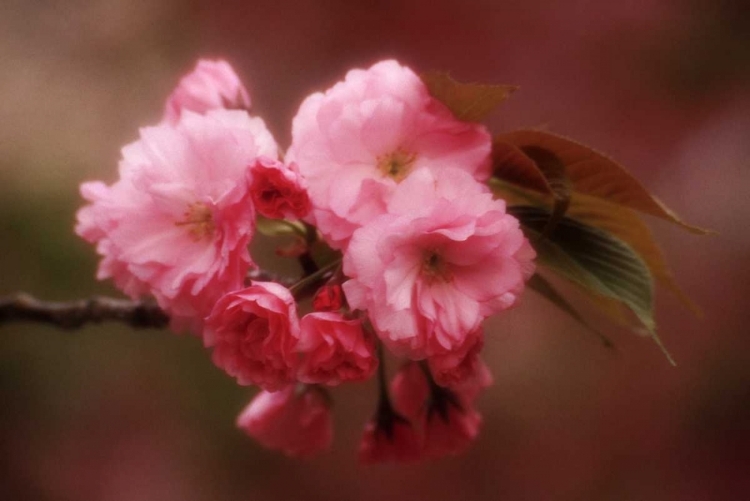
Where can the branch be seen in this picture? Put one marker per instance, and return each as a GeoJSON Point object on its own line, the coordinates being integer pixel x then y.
{"type": "Point", "coordinates": [74, 314]}
{"type": "Point", "coordinates": [138, 314]}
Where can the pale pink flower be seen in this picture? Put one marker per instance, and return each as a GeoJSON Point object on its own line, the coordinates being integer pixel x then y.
{"type": "Point", "coordinates": [444, 258]}
{"type": "Point", "coordinates": [178, 221]}
{"type": "Point", "coordinates": [395, 441]}
{"type": "Point", "coordinates": [334, 349]}
{"type": "Point", "coordinates": [211, 85]}
{"type": "Point", "coordinates": [110, 205]}
{"type": "Point", "coordinates": [358, 141]}
{"type": "Point", "coordinates": [254, 333]}
{"type": "Point", "coordinates": [278, 190]}
{"type": "Point", "coordinates": [295, 420]}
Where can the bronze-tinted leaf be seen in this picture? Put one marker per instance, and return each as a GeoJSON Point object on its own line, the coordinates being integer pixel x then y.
{"type": "Point", "coordinates": [595, 260]}
{"type": "Point", "coordinates": [554, 172]}
{"type": "Point", "coordinates": [512, 165]}
{"type": "Point", "coordinates": [594, 174]}
{"type": "Point", "coordinates": [469, 102]}
{"type": "Point", "coordinates": [536, 169]}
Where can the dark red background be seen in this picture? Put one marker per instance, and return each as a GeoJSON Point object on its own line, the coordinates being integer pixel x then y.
{"type": "Point", "coordinates": [108, 413]}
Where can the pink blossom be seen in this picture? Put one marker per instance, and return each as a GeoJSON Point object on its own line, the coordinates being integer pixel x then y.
{"type": "Point", "coordinates": [178, 221]}
{"type": "Point", "coordinates": [211, 85]}
{"type": "Point", "coordinates": [444, 258]}
{"type": "Point", "coordinates": [358, 141]}
{"type": "Point", "coordinates": [451, 431]}
{"type": "Point", "coordinates": [410, 391]}
{"type": "Point", "coordinates": [452, 423]}
{"type": "Point", "coordinates": [254, 333]}
{"type": "Point", "coordinates": [334, 349]}
{"type": "Point", "coordinates": [396, 441]}
{"type": "Point", "coordinates": [278, 190]}
{"type": "Point", "coordinates": [328, 298]}
{"type": "Point", "coordinates": [448, 421]}
{"type": "Point", "coordinates": [295, 420]}
{"type": "Point", "coordinates": [469, 388]}
{"type": "Point", "coordinates": [461, 365]}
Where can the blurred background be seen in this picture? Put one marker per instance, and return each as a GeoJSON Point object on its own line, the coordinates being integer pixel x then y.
{"type": "Point", "coordinates": [109, 413]}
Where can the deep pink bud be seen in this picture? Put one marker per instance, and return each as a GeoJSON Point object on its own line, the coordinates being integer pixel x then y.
{"type": "Point", "coordinates": [451, 432]}
{"type": "Point", "coordinates": [446, 416]}
{"type": "Point", "coordinates": [328, 298]}
{"type": "Point", "coordinates": [398, 441]}
{"type": "Point", "coordinates": [254, 333]}
{"type": "Point", "coordinates": [410, 391]}
{"type": "Point", "coordinates": [278, 190]}
{"type": "Point", "coordinates": [295, 420]}
{"type": "Point", "coordinates": [334, 349]}
{"type": "Point", "coordinates": [463, 364]}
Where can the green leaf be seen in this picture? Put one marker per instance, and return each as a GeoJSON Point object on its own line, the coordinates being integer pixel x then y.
{"type": "Point", "coordinates": [625, 224]}
{"type": "Point", "coordinates": [543, 287]}
{"type": "Point", "coordinates": [595, 260]}
{"type": "Point", "coordinates": [589, 172]}
{"type": "Point", "coordinates": [513, 194]}
{"type": "Point", "coordinates": [622, 222]}
{"type": "Point", "coordinates": [469, 102]}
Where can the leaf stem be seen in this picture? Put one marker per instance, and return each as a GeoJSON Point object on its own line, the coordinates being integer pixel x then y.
{"type": "Point", "coordinates": [304, 285]}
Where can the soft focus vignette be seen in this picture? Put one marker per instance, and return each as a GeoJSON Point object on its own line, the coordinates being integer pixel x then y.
{"type": "Point", "coordinates": [672, 344]}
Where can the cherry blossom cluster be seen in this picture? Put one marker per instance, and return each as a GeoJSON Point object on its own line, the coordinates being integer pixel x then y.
{"type": "Point", "coordinates": [420, 253]}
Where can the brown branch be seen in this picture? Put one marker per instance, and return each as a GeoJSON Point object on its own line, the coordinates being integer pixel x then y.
{"type": "Point", "coordinates": [75, 314]}
{"type": "Point", "coordinates": [139, 314]}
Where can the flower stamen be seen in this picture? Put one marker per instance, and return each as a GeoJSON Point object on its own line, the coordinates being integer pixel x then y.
{"type": "Point", "coordinates": [434, 267]}
{"type": "Point", "coordinates": [396, 165]}
{"type": "Point", "coordinates": [199, 218]}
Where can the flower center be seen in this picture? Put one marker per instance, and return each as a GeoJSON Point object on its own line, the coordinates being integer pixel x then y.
{"type": "Point", "coordinates": [396, 165]}
{"type": "Point", "coordinates": [199, 220]}
{"type": "Point", "coordinates": [435, 268]}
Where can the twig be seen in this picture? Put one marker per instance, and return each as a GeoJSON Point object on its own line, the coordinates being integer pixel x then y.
{"type": "Point", "coordinates": [139, 314]}
{"type": "Point", "coordinates": [75, 314]}
{"type": "Point", "coordinates": [267, 276]}
{"type": "Point", "coordinates": [308, 283]}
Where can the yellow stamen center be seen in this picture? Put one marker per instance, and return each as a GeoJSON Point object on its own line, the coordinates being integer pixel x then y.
{"type": "Point", "coordinates": [199, 220]}
{"type": "Point", "coordinates": [396, 165]}
{"type": "Point", "coordinates": [434, 267]}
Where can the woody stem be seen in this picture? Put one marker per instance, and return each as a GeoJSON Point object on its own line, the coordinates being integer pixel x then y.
{"type": "Point", "coordinates": [76, 314]}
